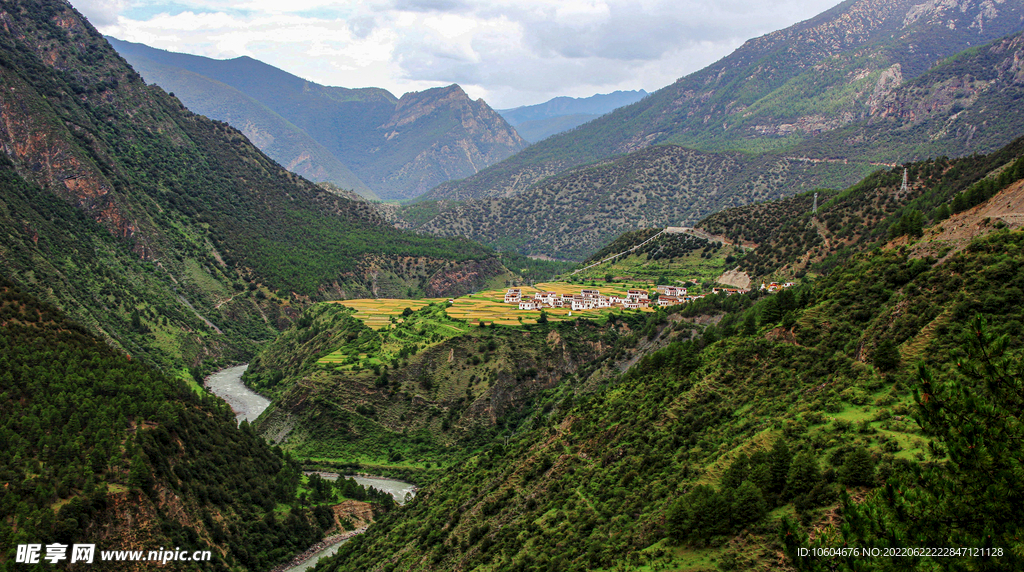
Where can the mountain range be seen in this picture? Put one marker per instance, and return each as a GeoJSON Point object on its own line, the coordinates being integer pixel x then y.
{"type": "Point", "coordinates": [167, 233]}
{"type": "Point", "coordinates": [366, 139]}
{"type": "Point", "coordinates": [540, 121]}
{"type": "Point", "coordinates": [873, 402]}
{"type": "Point", "coordinates": [867, 84]}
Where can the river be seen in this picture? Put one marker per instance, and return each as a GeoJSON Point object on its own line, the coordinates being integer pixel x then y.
{"type": "Point", "coordinates": [397, 489]}
{"type": "Point", "coordinates": [246, 403]}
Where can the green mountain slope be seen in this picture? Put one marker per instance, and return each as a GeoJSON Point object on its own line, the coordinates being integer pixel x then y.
{"type": "Point", "coordinates": [101, 449]}
{"type": "Point", "coordinates": [164, 231]}
{"type": "Point", "coordinates": [280, 140]}
{"type": "Point", "coordinates": [779, 90]}
{"type": "Point", "coordinates": [723, 451]}
{"type": "Point", "coordinates": [400, 148]}
{"type": "Point", "coordinates": [423, 392]}
{"type": "Point", "coordinates": [574, 214]}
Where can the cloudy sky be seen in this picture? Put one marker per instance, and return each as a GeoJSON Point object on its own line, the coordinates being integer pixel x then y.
{"type": "Point", "coordinates": [509, 52]}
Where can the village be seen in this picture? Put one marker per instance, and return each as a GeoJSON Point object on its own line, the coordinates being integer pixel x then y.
{"type": "Point", "coordinates": [589, 299]}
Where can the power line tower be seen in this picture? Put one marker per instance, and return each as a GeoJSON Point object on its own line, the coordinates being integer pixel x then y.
{"type": "Point", "coordinates": [903, 189]}
{"type": "Point", "coordinates": [814, 210]}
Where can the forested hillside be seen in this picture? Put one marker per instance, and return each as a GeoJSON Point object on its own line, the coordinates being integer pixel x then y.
{"type": "Point", "coordinates": [165, 232]}
{"type": "Point", "coordinates": [725, 451]}
{"type": "Point", "coordinates": [98, 448]}
{"type": "Point", "coordinates": [790, 241]}
{"type": "Point", "coordinates": [419, 394]}
{"type": "Point", "coordinates": [362, 139]}
{"type": "Point", "coordinates": [572, 215]}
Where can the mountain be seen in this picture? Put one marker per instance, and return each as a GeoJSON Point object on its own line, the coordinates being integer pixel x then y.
{"type": "Point", "coordinates": [786, 88]}
{"type": "Point", "coordinates": [274, 135]}
{"type": "Point", "coordinates": [965, 102]}
{"type": "Point", "coordinates": [573, 214]}
{"type": "Point", "coordinates": [360, 139]}
{"type": "Point", "coordinates": [879, 397]}
{"type": "Point", "coordinates": [537, 122]}
{"type": "Point", "coordinates": [101, 449]}
{"type": "Point", "coordinates": [789, 241]}
{"type": "Point", "coordinates": [169, 234]}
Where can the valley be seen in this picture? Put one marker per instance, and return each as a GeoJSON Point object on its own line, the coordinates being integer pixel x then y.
{"type": "Point", "coordinates": [770, 310]}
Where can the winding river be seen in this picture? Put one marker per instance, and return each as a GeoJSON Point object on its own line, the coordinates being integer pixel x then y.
{"type": "Point", "coordinates": [397, 489]}
{"type": "Point", "coordinates": [246, 403]}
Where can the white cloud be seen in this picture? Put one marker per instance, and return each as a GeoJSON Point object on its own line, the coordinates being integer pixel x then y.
{"type": "Point", "coordinates": [511, 52]}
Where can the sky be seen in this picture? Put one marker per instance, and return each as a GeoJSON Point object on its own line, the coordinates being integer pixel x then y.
{"type": "Point", "coordinates": [508, 52]}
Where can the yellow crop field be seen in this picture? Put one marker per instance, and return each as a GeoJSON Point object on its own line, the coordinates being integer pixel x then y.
{"type": "Point", "coordinates": [486, 305]}
{"type": "Point", "coordinates": [376, 313]}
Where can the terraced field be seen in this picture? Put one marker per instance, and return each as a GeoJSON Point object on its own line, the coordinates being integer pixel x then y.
{"type": "Point", "coordinates": [377, 313]}
{"type": "Point", "coordinates": [486, 306]}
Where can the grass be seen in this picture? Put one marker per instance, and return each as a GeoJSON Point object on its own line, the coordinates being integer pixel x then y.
{"type": "Point", "coordinates": [689, 268]}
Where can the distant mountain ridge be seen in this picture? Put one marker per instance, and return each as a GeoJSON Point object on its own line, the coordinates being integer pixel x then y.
{"type": "Point", "coordinates": [777, 91]}
{"type": "Point", "coordinates": [826, 126]}
{"type": "Point", "coordinates": [537, 122]}
{"type": "Point", "coordinates": [363, 139]}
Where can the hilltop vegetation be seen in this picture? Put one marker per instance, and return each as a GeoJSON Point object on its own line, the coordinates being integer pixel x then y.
{"type": "Point", "coordinates": [671, 259]}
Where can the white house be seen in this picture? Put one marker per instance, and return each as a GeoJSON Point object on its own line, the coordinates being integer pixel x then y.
{"type": "Point", "coordinates": [581, 303]}
{"type": "Point", "coordinates": [668, 301]}
{"type": "Point", "coordinates": [529, 304]}
{"type": "Point", "coordinates": [636, 295]}
{"type": "Point", "coordinates": [513, 296]}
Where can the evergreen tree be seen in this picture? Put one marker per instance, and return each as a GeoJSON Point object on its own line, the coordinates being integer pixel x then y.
{"type": "Point", "coordinates": [886, 356]}
{"type": "Point", "coordinates": [139, 475]}
{"type": "Point", "coordinates": [748, 504]}
{"type": "Point", "coordinates": [803, 475]}
{"type": "Point", "coordinates": [858, 469]}
{"type": "Point", "coordinates": [779, 458]}
{"type": "Point", "coordinates": [736, 473]}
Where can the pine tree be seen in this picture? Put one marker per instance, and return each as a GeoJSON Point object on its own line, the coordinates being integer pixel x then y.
{"type": "Point", "coordinates": [857, 469]}
{"type": "Point", "coordinates": [780, 458]}
{"type": "Point", "coordinates": [748, 504]}
{"type": "Point", "coordinates": [803, 475]}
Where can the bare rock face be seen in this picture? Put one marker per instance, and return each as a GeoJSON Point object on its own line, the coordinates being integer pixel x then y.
{"type": "Point", "coordinates": [473, 136]}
